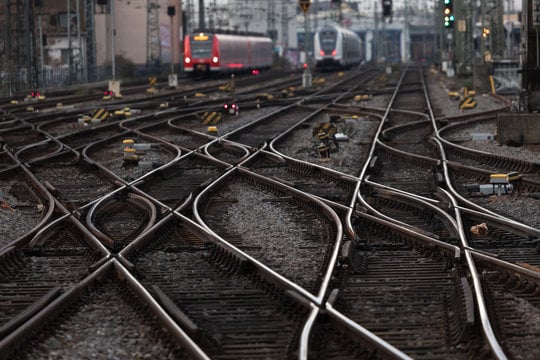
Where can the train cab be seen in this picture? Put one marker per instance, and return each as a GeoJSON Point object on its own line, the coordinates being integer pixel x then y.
{"type": "Point", "coordinates": [199, 53]}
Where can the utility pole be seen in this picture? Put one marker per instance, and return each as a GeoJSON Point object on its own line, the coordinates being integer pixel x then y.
{"type": "Point", "coordinates": [285, 26]}
{"type": "Point", "coordinates": [153, 41]}
{"type": "Point", "coordinates": [464, 40]}
{"type": "Point", "coordinates": [41, 77]}
{"type": "Point", "coordinates": [306, 77]}
{"type": "Point", "coordinates": [91, 63]}
{"type": "Point", "coordinates": [189, 17]}
{"type": "Point", "coordinates": [18, 51]}
{"type": "Point", "coordinates": [171, 11]}
{"type": "Point", "coordinates": [113, 41]}
{"type": "Point", "coordinates": [377, 50]}
{"type": "Point", "coordinates": [315, 12]}
{"type": "Point", "coordinates": [202, 25]}
{"type": "Point", "coordinates": [74, 40]}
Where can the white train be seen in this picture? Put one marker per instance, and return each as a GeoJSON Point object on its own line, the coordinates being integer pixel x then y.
{"type": "Point", "coordinates": [337, 48]}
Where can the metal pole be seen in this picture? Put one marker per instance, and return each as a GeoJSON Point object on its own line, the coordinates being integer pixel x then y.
{"type": "Point", "coordinates": [70, 50]}
{"type": "Point", "coordinates": [377, 49]}
{"type": "Point", "coordinates": [79, 42]}
{"type": "Point", "coordinates": [41, 62]}
{"type": "Point", "coordinates": [113, 42]}
{"type": "Point", "coordinates": [172, 46]}
{"type": "Point", "coordinates": [306, 77]}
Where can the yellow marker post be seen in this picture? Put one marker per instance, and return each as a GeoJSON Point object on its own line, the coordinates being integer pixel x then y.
{"type": "Point", "coordinates": [492, 83]}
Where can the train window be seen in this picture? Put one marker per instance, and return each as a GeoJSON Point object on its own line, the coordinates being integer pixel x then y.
{"type": "Point", "coordinates": [201, 48]}
{"type": "Point", "coordinates": [328, 41]}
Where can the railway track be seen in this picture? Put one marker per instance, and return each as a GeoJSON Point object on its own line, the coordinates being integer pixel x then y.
{"type": "Point", "coordinates": [251, 242]}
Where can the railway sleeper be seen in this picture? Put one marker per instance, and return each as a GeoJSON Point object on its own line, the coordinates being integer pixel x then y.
{"type": "Point", "coordinates": [227, 260]}
{"type": "Point", "coordinates": [178, 315]}
{"type": "Point", "coordinates": [10, 259]}
{"type": "Point", "coordinates": [30, 311]}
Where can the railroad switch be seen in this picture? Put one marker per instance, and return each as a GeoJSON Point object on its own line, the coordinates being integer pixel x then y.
{"type": "Point", "coordinates": [479, 230]}
{"type": "Point", "coordinates": [211, 118]}
{"type": "Point", "coordinates": [362, 97]}
{"type": "Point", "coordinates": [213, 130]}
{"type": "Point", "coordinates": [225, 87]}
{"type": "Point", "coordinates": [465, 97]}
{"type": "Point", "coordinates": [99, 115]}
{"type": "Point", "coordinates": [468, 103]}
{"type": "Point", "coordinates": [327, 134]}
{"type": "Point", "coordinates": [505, 182]}
{"type": "Point", "coordinates": [265, 96]}
{"type": "Point", "coordinates": [130, 153]}
{"type": "Point", "coordinates": [152, 81]}
{"type": "Point", "coordinates": [454, 95]}
{"type": "Point", "coordinates": [324, 151]}
{"type": "Point", "coordinates": [84, 120]}
{"type": "Point", "coordinates": [122, 113]}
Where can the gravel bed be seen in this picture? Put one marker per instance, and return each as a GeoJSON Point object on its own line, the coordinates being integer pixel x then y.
{"type": "Point", "coordinates": [111, 156]}
{"type": "Point", "coordinates": [230, 123]}
{"type": "Point", "coordinates": [493, 147]}
{"type": "Point", "coordinates": [107, 326]}
{"type": "Point", "coordinates": [439, 86]}
{"type": "Point", "coordinates": [227, 123]}
{"type": "Point", "coordinates": [348, 158]}
{"type": "Point", "coordinates": [525, 207]}
{"type": "Point", "coordinates": [527, 153]}
{"type": "Point", "coordinates": [14, 223]}
{"type": "Point", "coordinates": [269, 225]}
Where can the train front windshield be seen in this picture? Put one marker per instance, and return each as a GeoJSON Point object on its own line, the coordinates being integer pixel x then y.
{"type": "Point", "coordinates": [327, 39]}
{"type": "Point", "coordinates": [201, 46]}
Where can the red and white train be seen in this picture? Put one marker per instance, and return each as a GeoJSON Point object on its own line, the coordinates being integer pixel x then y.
{"type": "Point", "coordinates": [214, 53]}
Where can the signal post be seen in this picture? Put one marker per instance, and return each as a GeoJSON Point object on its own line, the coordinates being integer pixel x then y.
{"type": "Point", "coordinates": [306, 77]}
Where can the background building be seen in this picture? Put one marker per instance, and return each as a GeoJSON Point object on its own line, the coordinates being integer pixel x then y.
{"type": "Point", "coordinates": [55, 43]}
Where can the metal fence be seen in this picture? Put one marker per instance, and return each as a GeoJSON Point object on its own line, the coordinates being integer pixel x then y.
{"type": "Point", "coordinates": [18, 82]}
{"type": "Point", "coordinates": [61, 78]}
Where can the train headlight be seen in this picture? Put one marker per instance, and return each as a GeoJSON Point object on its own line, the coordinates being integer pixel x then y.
{"type": "Point", "coordinates": [187, 60]}
{"type": "Point", "coordinates": [321, 52]}
{"type": "Point", "coordinates": [215, 59]}
{"type": "Point", "coordinates": [334, 52]}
